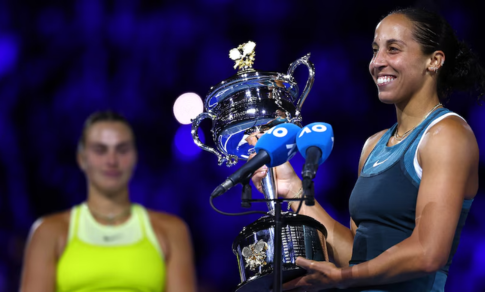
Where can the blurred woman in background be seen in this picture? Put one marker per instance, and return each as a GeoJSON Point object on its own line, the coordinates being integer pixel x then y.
{"type": "Point", "coordinates": [108, 243]}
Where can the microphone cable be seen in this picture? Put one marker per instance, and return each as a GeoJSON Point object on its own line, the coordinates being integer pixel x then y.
{"type": "Point", "coordinates": [234, 214]}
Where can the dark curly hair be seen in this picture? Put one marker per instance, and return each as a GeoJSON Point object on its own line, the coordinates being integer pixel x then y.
{"type": "Point", "coordinates": [101, 116]}
{"type": "Point", "coordinates": [461, 70]}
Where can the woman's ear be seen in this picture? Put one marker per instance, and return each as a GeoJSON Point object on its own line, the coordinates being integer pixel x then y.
{"type": "Point", "coordinates": [80, 160]}
{"type": "Point", "coordinates": [437, 61]}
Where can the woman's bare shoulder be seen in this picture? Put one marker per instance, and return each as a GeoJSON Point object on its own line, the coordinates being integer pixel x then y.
{"type": "Point", "coordinates": [52, 224]}
{"type": "Point", "coordinates": [451, 125]}
{"type": "Point", "coordinates": [165, 221]}
{"type": "Point", "coordinates": [170, 230]}
{"type": "Point", "coordinates": [453, 132]}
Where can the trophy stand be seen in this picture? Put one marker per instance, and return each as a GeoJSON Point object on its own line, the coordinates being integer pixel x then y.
{"type": "Point", "coordinates": [274, 205]}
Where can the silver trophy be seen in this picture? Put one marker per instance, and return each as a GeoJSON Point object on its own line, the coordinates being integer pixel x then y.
{"type": "Point", "coordinates": [251, 102]}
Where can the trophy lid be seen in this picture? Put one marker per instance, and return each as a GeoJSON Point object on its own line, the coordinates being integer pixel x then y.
{"type": "Point", "coordinates": [248, 78]}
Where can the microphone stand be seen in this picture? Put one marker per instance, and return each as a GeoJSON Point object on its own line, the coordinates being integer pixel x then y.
{"type": "Point", "coordinates": [308, 191]}
{"type": "Point", "coordinates": [277, 261]}
{"type": "Point", "coordinates": [246, 195]}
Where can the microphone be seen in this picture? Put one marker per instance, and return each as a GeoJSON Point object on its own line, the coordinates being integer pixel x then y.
{"type": "Point", "coordinates": [315, 142]}
{"type": "Point", "coordinates": [274, 148]}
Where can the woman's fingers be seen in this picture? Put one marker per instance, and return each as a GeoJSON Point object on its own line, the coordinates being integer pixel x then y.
{"type": "Point", "coordinates": [305, 263]}
{"type": "Point", "coordinates": [253, 138]}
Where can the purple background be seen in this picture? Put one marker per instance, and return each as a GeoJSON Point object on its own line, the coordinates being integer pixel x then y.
{"type": "Point", "coordinates": [62, 60]}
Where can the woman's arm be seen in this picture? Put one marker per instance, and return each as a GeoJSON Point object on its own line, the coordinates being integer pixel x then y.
{"type": "Point", "coordinates": [41, 254]}
{"type": "Point", "coordinates": [179, 262]}
{"type": "Point", "coordinates": [449, 158]}
{"type": "Point", "coordinates": [340, 238]}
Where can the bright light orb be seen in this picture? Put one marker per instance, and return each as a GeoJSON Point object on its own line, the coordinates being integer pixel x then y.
{"type": "Point", "coordinates": [187, 106]}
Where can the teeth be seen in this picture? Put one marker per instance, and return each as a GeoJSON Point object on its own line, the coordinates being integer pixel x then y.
{"type": "Point", "coordinates": [385, 79]}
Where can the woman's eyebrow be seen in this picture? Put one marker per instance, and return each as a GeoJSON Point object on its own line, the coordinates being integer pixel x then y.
{"type": "Point", "coordinates": [124, 144]}
{"type": "Point", "coordinates": [392, 41]}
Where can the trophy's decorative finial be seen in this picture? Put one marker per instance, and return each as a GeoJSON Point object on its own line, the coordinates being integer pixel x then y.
{"type": "Point", "coordinates": [243, 55]}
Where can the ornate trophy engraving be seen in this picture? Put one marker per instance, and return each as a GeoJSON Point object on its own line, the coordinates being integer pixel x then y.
{"type": "Point", "coordinates": [254, 101]}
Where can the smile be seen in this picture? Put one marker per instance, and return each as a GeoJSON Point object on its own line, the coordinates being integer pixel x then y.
{"type": "Point", "coordinates": [383, 80]}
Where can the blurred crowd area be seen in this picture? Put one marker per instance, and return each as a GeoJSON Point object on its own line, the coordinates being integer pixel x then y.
{"type": "Point", "coordinates": [62, 60]}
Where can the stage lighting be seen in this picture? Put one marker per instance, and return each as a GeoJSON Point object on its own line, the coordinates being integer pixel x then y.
{"type": "Point", "coordinates": [187, 106]}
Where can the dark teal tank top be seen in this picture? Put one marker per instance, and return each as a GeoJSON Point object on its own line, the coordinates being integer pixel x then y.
{"type": "Point", "coordinates": [383, 206]}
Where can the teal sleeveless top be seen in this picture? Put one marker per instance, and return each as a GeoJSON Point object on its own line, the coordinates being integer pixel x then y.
{"type": "Point", "coordinates": [383, 205]}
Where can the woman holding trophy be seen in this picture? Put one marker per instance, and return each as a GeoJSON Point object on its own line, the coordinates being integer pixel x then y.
{"type": "Point", "coordinates": [417, 179]}
{"type": "Point", "coordinates": [108, 243]}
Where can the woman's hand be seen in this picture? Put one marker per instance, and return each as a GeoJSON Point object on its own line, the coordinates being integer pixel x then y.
{"type": "Point", "coordinates": [287, 181]}
{"type": "Point", "coordinates": [320, 275]}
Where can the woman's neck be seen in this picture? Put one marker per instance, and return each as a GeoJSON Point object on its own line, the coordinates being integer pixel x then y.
{"type": "Point", "coordinates": [111, 209]}
{"type": "Point", "coordinates": [412, 112]}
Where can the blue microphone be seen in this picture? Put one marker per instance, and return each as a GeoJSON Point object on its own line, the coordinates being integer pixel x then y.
{"type": "Point", "coordinates": [315, 142]}
{"type": "Point", "coordinates": [274, 148]}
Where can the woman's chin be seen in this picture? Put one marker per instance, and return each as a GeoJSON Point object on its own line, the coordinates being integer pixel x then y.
{"type": "Point", "coordinates": [386, 98]}
{"type": "Point", "coordinates": [112, 189]}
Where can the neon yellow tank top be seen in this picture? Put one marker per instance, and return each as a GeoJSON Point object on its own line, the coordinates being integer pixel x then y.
{"type": "Point", "coordinates": [108, 265]}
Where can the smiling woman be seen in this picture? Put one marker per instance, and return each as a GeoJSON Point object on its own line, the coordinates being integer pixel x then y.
{"type": "Point", "coordinates": [108, 243]}
{"type": "Point", "coordinates": [417, 179]}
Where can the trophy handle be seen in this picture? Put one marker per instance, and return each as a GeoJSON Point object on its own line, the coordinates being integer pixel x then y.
{"type": "Point", "coordinates": [229, 159]}
{"type": "Point", "coordinates": [311, 77]}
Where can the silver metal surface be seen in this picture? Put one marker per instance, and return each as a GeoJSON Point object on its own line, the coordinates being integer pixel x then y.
{"type": "Point", "coordinates": [311, 78]}
{"type": "Point", "coordinates": [230, 159]}
{"type": "Point", "coordinates": [246, 103]}
{"type": "Point", "coordinates": [270, 192]}
{"type": "Point", "coordinates": [302, 236]}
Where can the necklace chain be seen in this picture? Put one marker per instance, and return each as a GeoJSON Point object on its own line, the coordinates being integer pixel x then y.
{"type": "Point", "coordinates": [111, 218]}
{"type": "Point", "coordinates": [399, 138]}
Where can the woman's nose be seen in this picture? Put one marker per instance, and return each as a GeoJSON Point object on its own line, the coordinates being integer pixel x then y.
{"type": "Point", "coordinates": [378, 60]}
{"type": "Point", "coordinates": [112, 158]}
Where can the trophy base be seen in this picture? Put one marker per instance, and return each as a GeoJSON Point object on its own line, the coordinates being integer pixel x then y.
{"type": "Point", "coordinates": [264, 283]}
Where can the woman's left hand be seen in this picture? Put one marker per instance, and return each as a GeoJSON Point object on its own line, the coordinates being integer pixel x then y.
{"type": "Point", "coordinates": [320, 275]}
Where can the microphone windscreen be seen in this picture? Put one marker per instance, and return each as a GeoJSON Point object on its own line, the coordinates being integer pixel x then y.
{"type": "Point", "coordinates": [279, 142]}
{"type": "Point", "coordinates": [316, 134]}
